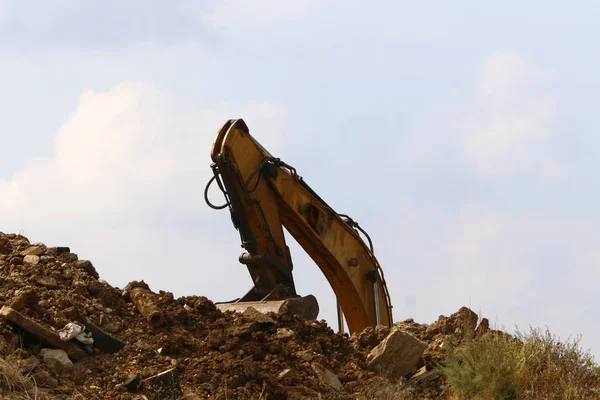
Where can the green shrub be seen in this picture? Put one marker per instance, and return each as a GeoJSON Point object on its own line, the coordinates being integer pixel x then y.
{"type": "Point", "coordinates": [531, 366]}
{"type": "Point", "coordinates": [484, 369]}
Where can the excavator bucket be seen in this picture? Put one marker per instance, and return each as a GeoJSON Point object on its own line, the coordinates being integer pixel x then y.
{"type": "Point", "coordinates": [305, 307]}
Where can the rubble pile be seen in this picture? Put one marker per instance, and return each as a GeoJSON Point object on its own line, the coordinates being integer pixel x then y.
{"type": "Point", "coordinates": [74, 333]}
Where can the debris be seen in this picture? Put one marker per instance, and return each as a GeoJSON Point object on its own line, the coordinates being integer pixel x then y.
{"type": "Point", "coordinates": [41, 333]}
{"type": "Point", "coordinates": [397, 355]}
{"type": "Point", "coordinates": [284, 333]}
{"type": "Point", "coordinates": [33, 251]}
{"type": "Point", "coordinates": [74, 330]}
{"type": "Point", "coordinates": [162, 386]}
{"type": "Point", "coordinates": [327, 377]}
{"type": "Point", "coordinates": [102, 340]}
{"type": "Point", "coordinates": [48, 282]}
{"type": "Point", "coordinates": [146, 302]}
{"type": "Point", "coordinates": [31, 259]}
{"type": "Point", "coordinates": [249, 367]}
{"type": "Point", "coordinates": [57, 360]}
{"type": "Point", "coordinates": [23, 299]}
{"type": "Point", "coordinates": [283, 374]}
{"type": "Point", "coordinates": [132, 383]}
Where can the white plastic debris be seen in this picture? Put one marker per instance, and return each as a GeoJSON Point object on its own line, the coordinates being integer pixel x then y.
{"type": "Point", "coordinates": [74, 330]}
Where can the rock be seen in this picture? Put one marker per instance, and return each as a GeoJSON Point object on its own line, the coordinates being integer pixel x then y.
{"type": "Point", "coordinates": [33, 251]}
{"type": "Point", "coordinates": [249, 367]}
{"type": "Point", "coordinates": [4, 346]}
{"type": "Point", "coordinates": [368, 338]}
{"type": "Point", "coordinates": [327, 377]}
{"type": "Point", "coordinates": [5, 246]}
{"type": "Point", "coordinates": [425, 378]}
{"type": "Point", "coordinates": [381, 331]}
{"type": "Point", "coordinates": [23, 299]}
{"type": "Point", "coordinates": [397, 355]}
{"type": "Point", "coordinates": [245, 329]}
{"type": "Point", "coordinates": [57, 360]}
{"type": "Point", "coordinates": [284, 333]}
{"type": "Point", "coordinates": [283, 374]}
{"type": "Point", "coordinates": [191, 396]}
{"type": "Point", "coordinates": [47, 282]}
{"type": "Point", "coordinates": [44, 379]}
{"type": "Point", "coordinates": [31, 259]}
{"type": "Point", "coordinates": [132, 383]}
{"type": "Point", "coordinates": [305, 355]}
{"type": "Point", "coordinates": [87, 267]}
{"type": "Point", "coordinates": [29, 364]}
{"type": "Point", "coordinates": [483, 328]}
{"type": "Point", "coordinates": [16, 261]}
{"type": "Point", "coordinates": [255, 315]}
{"type": "Point", "coordinates": [162, 386]}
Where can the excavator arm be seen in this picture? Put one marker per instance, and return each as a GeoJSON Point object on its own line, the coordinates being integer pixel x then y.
{"type": "Point", "coordinates": [265, 195]}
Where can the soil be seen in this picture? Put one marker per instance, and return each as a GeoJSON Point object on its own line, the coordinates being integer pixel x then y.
{"type": "Point", "coordinates": [212, 354]}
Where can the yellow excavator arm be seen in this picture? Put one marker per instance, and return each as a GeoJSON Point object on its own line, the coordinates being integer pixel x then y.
{"type": "Point", "coordinates": [264, 195]}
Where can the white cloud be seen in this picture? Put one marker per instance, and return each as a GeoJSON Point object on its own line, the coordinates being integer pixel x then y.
{"type": "Point", "coordinates": [511, 119]}
{"type": "Point", "coordinates": [522, 269]}
{"type": "Point", "coordinates": [125, 189]}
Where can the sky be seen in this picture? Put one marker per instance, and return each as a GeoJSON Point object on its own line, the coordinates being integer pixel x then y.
{"type": "Point", "coordinates": [459, 135]}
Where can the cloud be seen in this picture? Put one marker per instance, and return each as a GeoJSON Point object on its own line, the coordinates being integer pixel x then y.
{"type": "Point", "coordinates": [124, 189]}
{"type": "Point", "coordinates": [523, 269]}
{"type": "Point", "coordinates": [511, 121]}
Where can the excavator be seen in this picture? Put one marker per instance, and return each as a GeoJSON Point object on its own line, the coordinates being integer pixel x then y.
{"type": "Point", "coordinates": [265, 195]}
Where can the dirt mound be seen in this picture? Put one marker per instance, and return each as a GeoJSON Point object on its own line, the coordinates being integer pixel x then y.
{"type": "Point", "coordinates": [200, 349]}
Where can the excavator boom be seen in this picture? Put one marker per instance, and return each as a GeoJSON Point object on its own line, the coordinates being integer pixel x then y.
{"type": "Point", "coordinates": [264, 196]}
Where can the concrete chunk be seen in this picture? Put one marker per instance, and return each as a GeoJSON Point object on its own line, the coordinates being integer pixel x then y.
{"type": "Point", "coordinates": [327, 377]}
{"type": "Point", "coordinates": [57, 360]}
{"type": "Point", "coordinates": [397, 355]}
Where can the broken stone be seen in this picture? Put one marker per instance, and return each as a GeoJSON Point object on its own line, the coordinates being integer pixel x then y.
{"type": "Point", "coordinates": [327, 377]}
{"type": "Point", "coordinates": [31, 259]}
{"type": "Point", "coordinates": [283, 374]}
{"type": "Point", "coordinates": [305, 355]}
{"type": "Point", "coordinates": [57, 360]}
{"type": "Point", "coordinates": [47, 282]}
{"type": "Point", "coordinates": [245, 329]}
{"type": "Point", "coordinates": [483, 328]}
{"type": "Point", "coordinates": [255, 315]}
{"type": "Point", "coordinates": [16, 261]}
{"type": "Point", "coordinates": [33, 250]}
{"type": "Point", "coordinates": [284, 333]}
{"type": "Point", "coordinates": [425, 378]}
{"type": "Point", "coordinates": [132, 383]}
{"type": "Point", "coordinates": [397, 355]}
{"type": "Point", "coordinates": [88, 267]}
{"type": "Point", "coordinates": [162, 386]}
{"type": "Point", "coordinates": [191, 396]}
{"type": "Point", "coordinates": [249, 367]}
{"type": "Point", "coordinates": [23, 299]}
{"type": "Point", "coordinates": [368, 337]}
{"type": "Point", "coordinates": [44, 379]}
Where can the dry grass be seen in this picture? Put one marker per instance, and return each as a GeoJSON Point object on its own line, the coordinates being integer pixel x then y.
{"type": "Point", "coordinates": [529, 366]}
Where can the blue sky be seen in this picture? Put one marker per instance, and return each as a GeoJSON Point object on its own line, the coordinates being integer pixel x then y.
{"type": "Point", "coordinates": [461, 136]}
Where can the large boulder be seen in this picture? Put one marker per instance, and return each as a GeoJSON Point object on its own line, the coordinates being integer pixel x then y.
{"type": "Point", "coordinates": [397, 355]}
